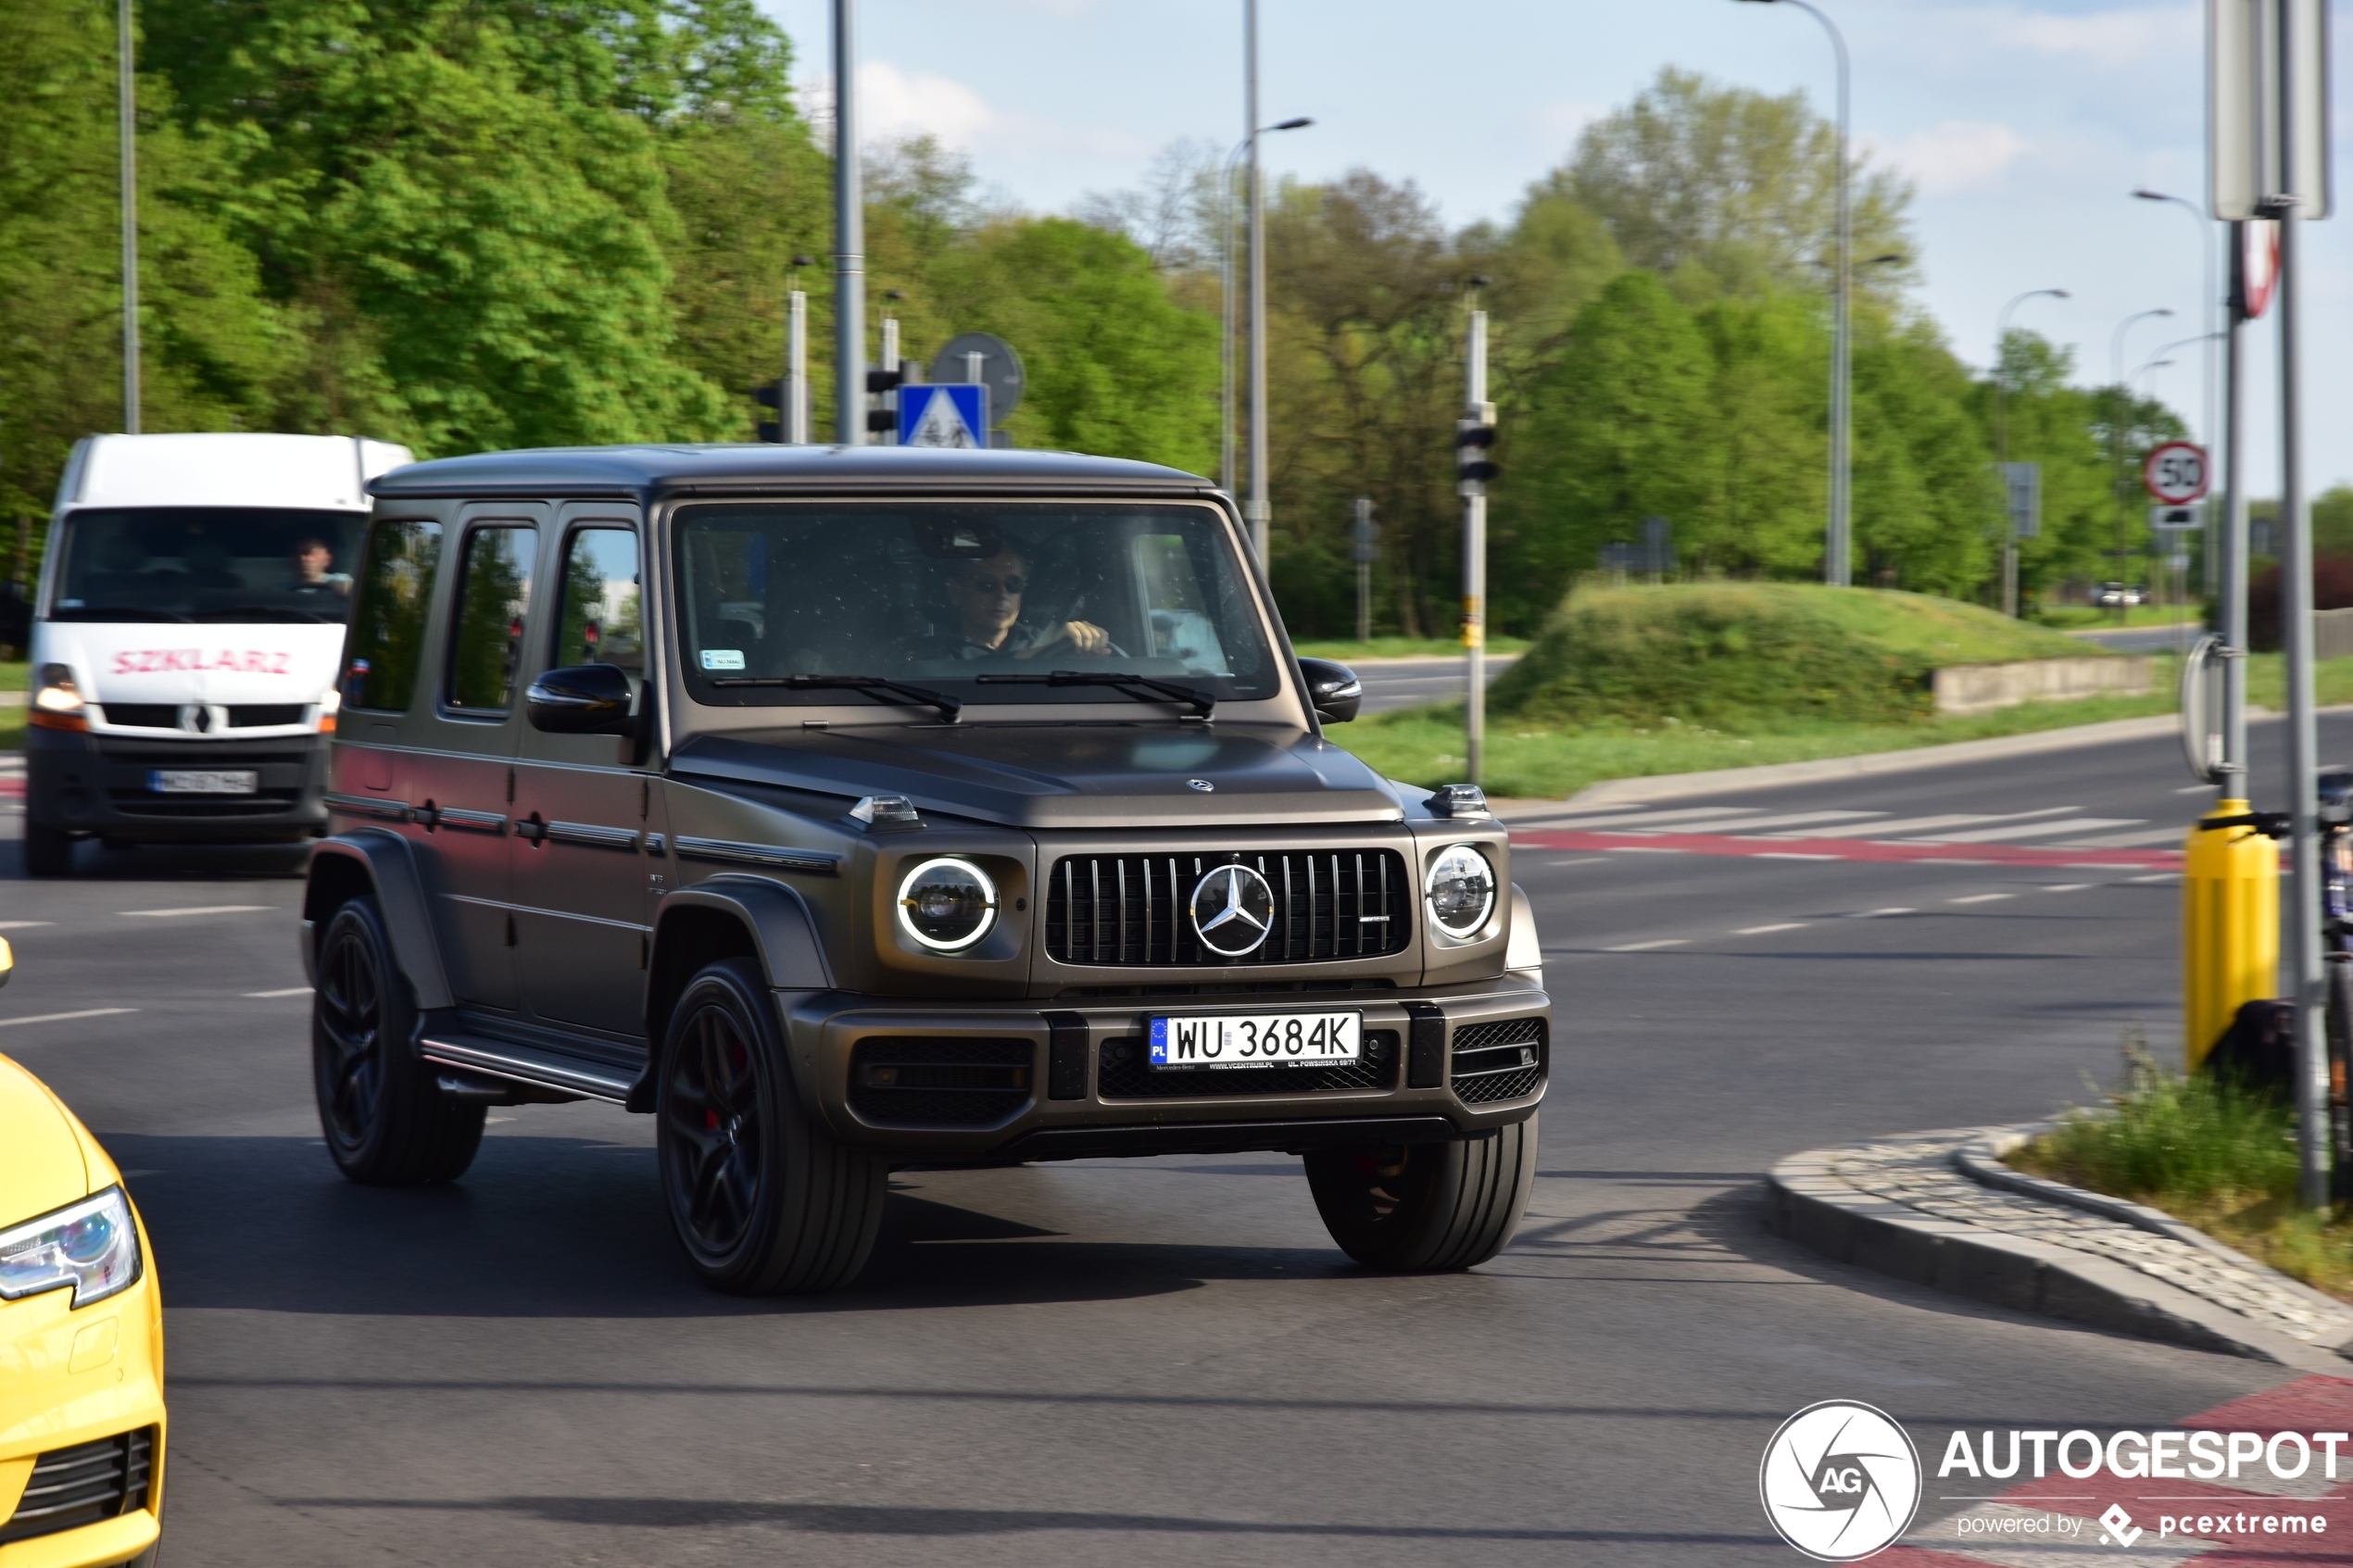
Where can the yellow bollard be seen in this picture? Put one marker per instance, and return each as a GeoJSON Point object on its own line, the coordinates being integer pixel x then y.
{"type": "Point", "coordinates": [2230, 927]}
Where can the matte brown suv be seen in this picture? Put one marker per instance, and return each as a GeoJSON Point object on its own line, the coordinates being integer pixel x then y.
{"type": "Point", "coordinates": [852, 808]}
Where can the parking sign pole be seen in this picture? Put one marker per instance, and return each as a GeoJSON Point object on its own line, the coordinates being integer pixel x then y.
{"type": "Point", "coordinates": [2232, 587]}
{"type": "Point", "coordinates": [849, 238]}
{"type": "Point", "coordinates": [1474, 566]}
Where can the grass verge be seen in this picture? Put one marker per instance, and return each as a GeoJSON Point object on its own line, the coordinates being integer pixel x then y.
{"type": "Point", "coordinates": [13, 678]}
{"type": "Point", "coordinates": [2088, 617]}
{"type": "Point", "coordinates": [1401, 647]}
{"type": "Point", "coordinates": [2209, 1153]}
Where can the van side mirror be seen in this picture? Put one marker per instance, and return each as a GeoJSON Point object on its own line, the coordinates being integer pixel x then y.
{"type": "Point", "coordinates": [583, 699]}
{"type": "Point", "coordinates": [1333, 690]}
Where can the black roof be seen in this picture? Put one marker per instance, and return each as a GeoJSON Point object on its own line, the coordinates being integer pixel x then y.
{"type": "Point", "coordinates": [647, 471]}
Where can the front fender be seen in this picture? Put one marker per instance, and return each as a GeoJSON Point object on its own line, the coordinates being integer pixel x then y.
{"type": "Point", "coordinates": [789, 953]}
{"type": "Point", "coordinates": [373, 860]}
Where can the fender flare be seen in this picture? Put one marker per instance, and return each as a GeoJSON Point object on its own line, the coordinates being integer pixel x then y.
{"type": "Point", "coordinates": [1524, 952]}
{"type": "Point", "coordinates": [783, 931]}
{"type": "Point", "coordinates": [389, 864]}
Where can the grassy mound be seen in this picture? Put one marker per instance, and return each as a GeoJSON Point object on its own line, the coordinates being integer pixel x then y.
{"type": "Point", "coordinates": [1734, 653]}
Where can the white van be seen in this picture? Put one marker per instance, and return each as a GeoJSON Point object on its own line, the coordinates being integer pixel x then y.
{"type": "Point", "coordinates": [185, 636]}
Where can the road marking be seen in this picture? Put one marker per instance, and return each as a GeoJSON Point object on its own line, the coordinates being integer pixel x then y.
{"type": "Point", "coordinates": [1914, 826]}
{"type": "Point", "coordinates": [2194, 789]}
{"type": "Point", "coordinates": [1981, 897]}
{"type": "Point", "coordinates": [199, 910]}
{"type": "Point", "coordinates": [2040, 830]}
{"type": "Point", "coordinates": [1585, 860]}
{"type": "Point", "coordinates": [23, 924]}
{"type": "Point", "coordinates": [1798, 819]}
{"type": "Point", "coordinates": [64, 1017]}
{"type": "Point", "coordinates": [1880, 914]}
{"type": "Point", "coordinates": [1761, 930]}
{"type": "Point", "coordinates": [1640, 849]}
{"type": "Point", "coordinates": [2157, 876]}
{"type": "Point", "coordinates": [1646, 947]}
{"type": "Point", "coordinates": [2067, 887]}
{"type": "Point", "coordinates": [289, 991]}
{"type": "Point", "coordinates": [1732, 845]}
{"type": "Point", "coordinates": [1792, 855]}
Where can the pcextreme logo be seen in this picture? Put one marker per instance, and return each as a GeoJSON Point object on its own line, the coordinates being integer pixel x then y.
{"type": "Point", "coordinates": [1840, 1481]}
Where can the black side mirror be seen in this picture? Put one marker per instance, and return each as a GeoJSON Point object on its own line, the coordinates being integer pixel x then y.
{"type": "Point", "coordinates": [585, 699]}
{"type": "Point", "coordinates": [1333, 690]}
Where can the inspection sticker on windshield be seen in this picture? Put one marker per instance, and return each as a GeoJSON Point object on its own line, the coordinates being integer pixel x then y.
{"type": "Point", "coordinates": [1270, 1039]}
{"type": "Point", "coordinates": [203, 781]}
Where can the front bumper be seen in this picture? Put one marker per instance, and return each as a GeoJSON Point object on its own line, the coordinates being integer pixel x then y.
{"type": "Point", "coordinates": [97, 783]}
{"type": "Point", "coordinates": [70, 1380]}
{"type": "Point", "coordinates": [987, 1083]}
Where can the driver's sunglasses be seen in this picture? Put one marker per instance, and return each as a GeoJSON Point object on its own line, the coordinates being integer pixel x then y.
{"type": "Point", "coordinates": [1012, 584]}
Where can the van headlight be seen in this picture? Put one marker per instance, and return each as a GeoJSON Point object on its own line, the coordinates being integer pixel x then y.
{"type": "Point", "coordinates": [1461, 890]}
{"type": "Point", "coordinates": [946, 905]}
{"type": "Point", "coordinates": [93, 1246]}
{"type": "Point", "coordinates": [56, 691]}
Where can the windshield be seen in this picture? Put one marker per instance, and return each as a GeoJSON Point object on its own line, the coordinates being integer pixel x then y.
{"type": "Point", "coordinates": [956, 597]}
{"type": "Point", "coordinates": [206, 563]}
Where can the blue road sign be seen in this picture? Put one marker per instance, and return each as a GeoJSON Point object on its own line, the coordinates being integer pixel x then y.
{"type": "Point", "coordinates": [943, 414]}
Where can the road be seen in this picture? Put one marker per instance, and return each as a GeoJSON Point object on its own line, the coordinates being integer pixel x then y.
{"type": "Point", "coordinates": [1409, 682]}
{"type": "Point", "coordinates": [1151, 1361]}
{"type": "Point", "coordinates": [2144, 639]}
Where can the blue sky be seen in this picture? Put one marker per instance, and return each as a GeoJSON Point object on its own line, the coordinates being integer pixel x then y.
{"type": "Point", "coordinates": [2023, 123]}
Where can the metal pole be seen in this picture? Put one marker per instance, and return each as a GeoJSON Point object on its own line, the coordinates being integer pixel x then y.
{"type": "Point", "coordinates": [796, 415]}
{"type": "Point", "coordinates": [890, 363]}
{"type": "Point", "coordinates": [127, 116]}
{"type": "Point", "coordinates": [850, 237]}
{"type": "Point", "coordinates": [2002, 440]}
{"type": "Point", "coordinates": [1257, 512]}
{"type": "Point", "coordinates": [1475, 564]}
{"type": "Point", "coordinates": [1362, 542]}
{"type": "Point", "coordinates": [1839, 546]}
{"type": "Point", "coordinates": [1226, 297]}
{"type": "Point", "coordinates": [2232, 587]}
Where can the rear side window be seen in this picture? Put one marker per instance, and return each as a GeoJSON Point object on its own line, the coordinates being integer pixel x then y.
{"type": "Point", "coordinates": [494, 596]}
{"type": "Point", "coordinates": [601, 623]}
{"type": "Point", "coordinates": [388, 624]}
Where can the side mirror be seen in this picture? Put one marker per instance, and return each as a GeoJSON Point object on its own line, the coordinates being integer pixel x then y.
{"type": "Point", "coordinates": [585, 699]}
{"type": "Point", "coordinates": [1333, 690]}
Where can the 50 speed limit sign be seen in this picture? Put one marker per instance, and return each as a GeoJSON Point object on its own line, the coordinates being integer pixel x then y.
{"type": "Point", "coordinates": [2175, 474]}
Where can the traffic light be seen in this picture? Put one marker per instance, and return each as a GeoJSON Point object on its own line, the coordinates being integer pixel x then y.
{"type": "Point", "coordinates": [879, 383]}
{"type": "Point", "coordinates": [1472, 438]}
{"type": "Point", "coordinates": [770, 395]}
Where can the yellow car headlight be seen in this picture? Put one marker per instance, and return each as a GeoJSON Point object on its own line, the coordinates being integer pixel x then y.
{"type": "Point", "coordinates": [93, 1246]}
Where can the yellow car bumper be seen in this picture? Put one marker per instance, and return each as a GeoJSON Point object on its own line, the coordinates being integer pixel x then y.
{"type": "Point", "coordinates": [78, 1392]}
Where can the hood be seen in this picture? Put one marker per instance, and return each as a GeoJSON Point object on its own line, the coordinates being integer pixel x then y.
{"type": "Point", "coordinates": [1048, 775]}
{"type": "Point", "coordinates": [178, 662]}
{"type": "Point", "coordinates": [40, 1162]}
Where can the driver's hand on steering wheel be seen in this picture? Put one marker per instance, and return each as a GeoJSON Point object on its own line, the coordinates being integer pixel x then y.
{"type": "Point", "coordinates": [1083, 636]}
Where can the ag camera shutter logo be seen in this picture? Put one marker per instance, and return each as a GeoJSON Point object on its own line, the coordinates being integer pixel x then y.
{"type": "Point", "coordinates": [1840, 1481]}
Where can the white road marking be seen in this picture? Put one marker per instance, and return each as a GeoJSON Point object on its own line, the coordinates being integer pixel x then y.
{"type": "Point", "coordinates": [1761, 930]}
{"type": "Point", "coordinates": [1798, 819]}
{"type": "Point", "coordinates": [2136, 840]}
{"type": "Point", "coordinates": [23, 924]}
{"type": "Point", "coordinates": [1880, 914]}
{"type": "Point", "coordinates": [2157, 876]}
{"type": "Point", "coordinates": [1646, 947]}
{"type": "Point", "coordinates": [1586, 860]}
{"type": "Point", "coordinates": [2066, 886]}
{"type": "Point", "coordinates": [64, 1017]}
{"type": "Point", "coordinates": [1643, 849]}
{"type": "Point", "coordinates": [1643, 820]}
{"type": "Point", "coordinates": [2194, 789]}
{"type": "Point", "coordinates": [2039, 830]}
{"type": "Point", "coordinates": [1917, 825]}
{"type": "Point", "coordinates": [1788, 855]}
{"type": "Point", "coordinates": [199, 910]}
{"type": "Point", "coordinates": [1980, 897]}
{"type": "Point", "coordinates": [289, 991]}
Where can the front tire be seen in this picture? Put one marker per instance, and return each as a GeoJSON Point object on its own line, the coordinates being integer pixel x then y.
{"type": "Point", "coordinates": [48, 852]}
{"type": "Point", "coordinates": [765, 1200]}
{"type": "Point", "coordinates": [1426, 1208]}
{"type": "Point", "coordinates": [387, 1120]}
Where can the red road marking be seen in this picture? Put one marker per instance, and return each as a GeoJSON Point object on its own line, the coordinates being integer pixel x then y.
{"type": "Point", "coordinates": [1855, 849]}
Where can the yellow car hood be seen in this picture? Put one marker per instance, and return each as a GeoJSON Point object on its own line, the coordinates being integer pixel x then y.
{"type": "Point", "coordinates": [41, 1165]}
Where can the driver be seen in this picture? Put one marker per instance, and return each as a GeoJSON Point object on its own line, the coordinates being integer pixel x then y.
{"type": "Point", "coordinates": [986, 598]}
{"type": "Point", "coordinates": [312, 556]}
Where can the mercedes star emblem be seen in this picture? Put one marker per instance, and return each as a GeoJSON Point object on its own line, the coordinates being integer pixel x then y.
{"type": "Point", "coordinates": [1201, 784]}
{"type": "Point", "coordinates": [1234, 910]}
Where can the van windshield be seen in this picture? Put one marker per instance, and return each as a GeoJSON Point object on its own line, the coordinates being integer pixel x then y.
{"type": "Point", "coordinates": [949, 595]}
{"type": "Point", "coordinates": [207, 564]}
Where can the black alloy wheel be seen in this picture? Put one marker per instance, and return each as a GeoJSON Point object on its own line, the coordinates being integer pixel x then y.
{"type": "Point", "coordinates": [385, 1120]}
{"type": "Point", "coordinates": [1426, 1208]}
{"type": "Point", "coordinates": [764, 1199]}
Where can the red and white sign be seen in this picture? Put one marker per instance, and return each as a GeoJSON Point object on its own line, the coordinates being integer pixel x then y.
{"type": "Point", "coordinates": [2259, 267]}
{"type": "Point", "coordinates": [2175, 474]}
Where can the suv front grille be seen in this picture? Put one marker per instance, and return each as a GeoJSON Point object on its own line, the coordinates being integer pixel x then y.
{"type": "Point", "coordinates": [921, 1083]}
{"type": "Point", "coordinates": [1494, 1062]}
{"type": "Point", "coordinates": [70, 1487]}
{"type": "Point", "coordinates": [1127, 1075]}
{"type": "Point", "coordinates": [166, 715]}
{"type": "Point", "coordinates": [1133, 909]}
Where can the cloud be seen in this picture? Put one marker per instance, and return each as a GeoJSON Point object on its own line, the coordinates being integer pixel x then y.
{"type": "Point", "coordinates": [896, 103]}
{"type": "Point", "coordinates": [1557, 124]}
{"type": "Point", "coordinates": [1958, 155]}
{"type": "Point", "coordinates": [2112, 39]}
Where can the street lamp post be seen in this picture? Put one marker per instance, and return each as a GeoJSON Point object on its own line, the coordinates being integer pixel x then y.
{"type": "Point", "coordinates": [849, 238]}
{"type": "Point", "coordinates": [2001, 436]}
{"type": "Point", "coordinates": [2123, 408]}
{"type": "Point", "coordinates": [2207, 429]}
{"type": "Point", "coordinates": [1839, 545]}
{"type": "Point", "coordinates": [1226, 298]}
{"type": "Point", "coordinates": [127, 133]}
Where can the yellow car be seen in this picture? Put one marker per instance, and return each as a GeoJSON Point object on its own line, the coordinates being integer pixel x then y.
{"type": "Point", "coordinates": [82, 1422]}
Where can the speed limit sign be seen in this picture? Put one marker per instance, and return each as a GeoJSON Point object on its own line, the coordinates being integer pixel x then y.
{"type": "Point", "coordinates": [2175, 474]}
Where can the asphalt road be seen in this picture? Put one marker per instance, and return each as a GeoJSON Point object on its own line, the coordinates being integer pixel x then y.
{"type": "Point", "coordinates": [1143, 1361]}
{"type": "Point", "coordinates": [1410, 682]}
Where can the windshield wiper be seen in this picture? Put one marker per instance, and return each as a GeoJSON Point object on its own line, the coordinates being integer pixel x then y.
{"type": "Point", "coordinates": [1136, 686]}
{"type": "Point", "coordinates": [257, 613]}
{"type": "Point", "coordinates": [115, 612]}
{"type": "Point", "coordinates": [921, 696]}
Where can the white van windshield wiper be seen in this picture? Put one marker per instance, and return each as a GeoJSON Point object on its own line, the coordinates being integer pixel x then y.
{"type": "Point", "coordinates": [921, 696]}
{"type": "Point", "coordinates": [115, 612]}
{"type": "Point", "coordinates": [257, 613]}
{"type": "Point", "coordinates": [1137, 687]}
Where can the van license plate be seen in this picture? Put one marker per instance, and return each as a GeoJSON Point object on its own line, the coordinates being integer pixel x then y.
{"type": "Point", "coordinates": [1191, 1042]}
{"type": "Point", "coordinates": [203, 781]}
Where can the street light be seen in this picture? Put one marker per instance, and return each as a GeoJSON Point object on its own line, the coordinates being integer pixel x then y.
{"type": "Point", "coordinates": [2213, 297]}
{"type": "Point", "coordinates": [1839, 546]}
{"type": "Point", "coordinates": [1225, 295]}
{"type": "Point", "coordinates": [2122, 410]}
{"type": "Point", "coordinates": [2002, 436]}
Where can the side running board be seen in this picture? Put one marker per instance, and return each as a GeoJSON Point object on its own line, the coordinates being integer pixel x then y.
{"type": "Point", "coordinates": [526, 1064]}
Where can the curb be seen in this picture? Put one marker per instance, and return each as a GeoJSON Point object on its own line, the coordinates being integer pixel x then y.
{"type": "Point", "coordinates": [1807, 1203]}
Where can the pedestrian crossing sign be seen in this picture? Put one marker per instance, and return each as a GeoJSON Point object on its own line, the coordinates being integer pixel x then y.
{"type": "Point", "coordinates": [944, 414]}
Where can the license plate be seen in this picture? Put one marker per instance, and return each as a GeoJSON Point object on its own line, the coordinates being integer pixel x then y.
{"type": "Point", "coordinates": [1191, 1042]}
{"type": "Point", "coordinates": [203, 781]}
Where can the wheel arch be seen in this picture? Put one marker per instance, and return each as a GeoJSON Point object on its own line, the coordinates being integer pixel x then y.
{"type": "Point", "coordinates": [726, 917]}
{"type": "Point", "coordinates": [371, 860]}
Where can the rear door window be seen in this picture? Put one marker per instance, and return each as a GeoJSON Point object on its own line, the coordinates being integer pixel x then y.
{"type": "Point", "coordinates": [388, 623]}
{"type": "Point", "coordinates": [600, 621]}
{"type": "Point", "coordinates": [493, 599]}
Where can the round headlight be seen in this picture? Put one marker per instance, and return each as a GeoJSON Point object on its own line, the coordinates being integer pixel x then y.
{"type": "Point", "coordinates": [1461, 890]}
{"type": "Point", "coordinates": [946, 905]}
